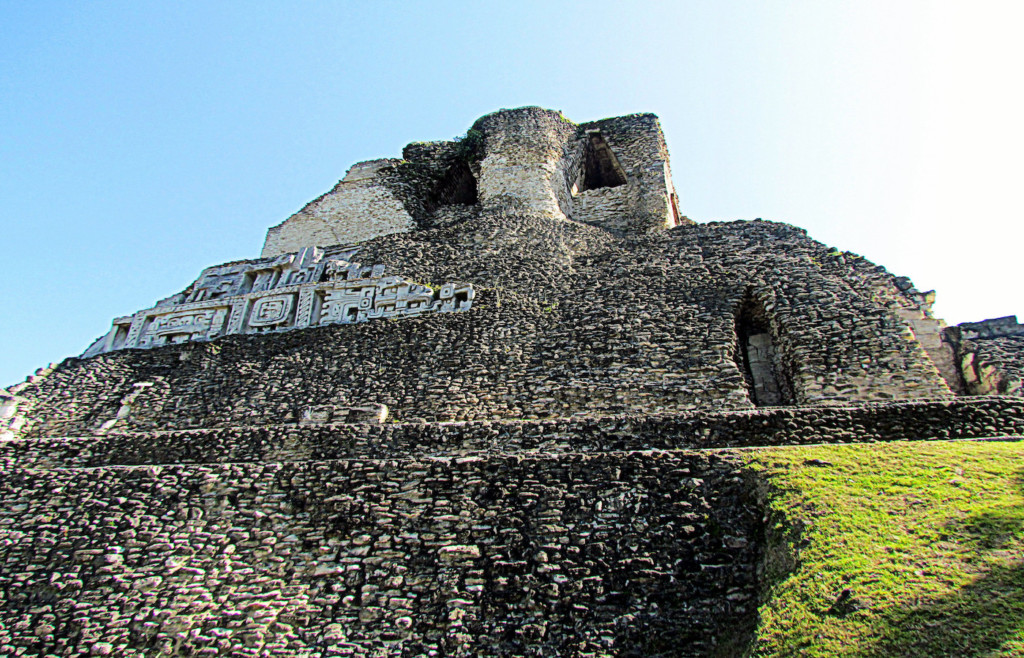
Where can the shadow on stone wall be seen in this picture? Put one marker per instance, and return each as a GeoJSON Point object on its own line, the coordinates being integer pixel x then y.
{"type": "Point", "coordinates": [614, 554]}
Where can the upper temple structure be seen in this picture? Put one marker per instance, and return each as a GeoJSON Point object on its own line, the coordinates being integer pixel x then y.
{"type": "Point", "coordinates": [464, 403]}
{"type": "Point", "coordinates": [612, 173]}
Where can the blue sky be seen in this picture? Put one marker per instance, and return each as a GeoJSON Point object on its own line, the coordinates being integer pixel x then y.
{"type": "Point", "coordinates": [141, 142]}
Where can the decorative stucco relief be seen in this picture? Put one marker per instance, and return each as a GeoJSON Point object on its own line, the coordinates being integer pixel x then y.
{"type": "Point", "coordinates": [10, 420]}
{"type": "Point", "coordinates": [291, 291]}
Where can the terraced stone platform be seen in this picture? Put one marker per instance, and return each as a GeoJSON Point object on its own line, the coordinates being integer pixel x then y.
{"type": "Point", "coordinates": [590, 536]}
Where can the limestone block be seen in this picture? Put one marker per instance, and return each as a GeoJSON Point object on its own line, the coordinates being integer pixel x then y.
{"type": "Point", "coordinates": [272, 311]}
{"type": "Point", "coordinates": [329, 413]}
{"type": "Point", "coordinates": [357, 209]}
{"type": "Point", "coordinates": [317, 415]}
{"type": "Point", "coordinates": [8, 406]}
{"type": "Point", "coordinates": [193, 322]}
{"type": "Point", "coordinates": [373, 413]}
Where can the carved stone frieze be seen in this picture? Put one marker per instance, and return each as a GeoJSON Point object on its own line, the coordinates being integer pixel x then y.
{"type": "Point", "coordinates": [272, 312]}
{"type": "Point", "coordinates": [10, 420]}
{"type": "Point", "coordinates": [313, 287]}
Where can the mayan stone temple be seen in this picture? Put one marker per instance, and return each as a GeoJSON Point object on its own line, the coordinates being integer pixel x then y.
{"type": "Point", "coordinates": [475, 401]}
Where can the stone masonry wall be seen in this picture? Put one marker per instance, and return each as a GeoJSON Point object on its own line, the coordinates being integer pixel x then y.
{"type": "Point", "coordinates": [990, 355]}
{"type": "Point", "coordinates": [521, 555]}
{"type": "Point", "coordinates": [644, 203]}
{"type": "Point", "coordinates": [835, 331]}
{"type": "Point", "coordinates": [358, 208]}
{"type": "Point", "coordinates": [963, 418]}
{"type": "Point", "coordinates": [609, 207]}
{"type": "Point", "coordinates": [523, 166]}
{"type": "Point", "coordinates": [527, 160]}
{"type": "Point", "coordinates": [589, 537]}
{"type": "Point", "coordinates": [567, 320]}
{"type": "Point", "coordinates": [997, 367]}
{"type": "Point", "coordinates": [555, 476]}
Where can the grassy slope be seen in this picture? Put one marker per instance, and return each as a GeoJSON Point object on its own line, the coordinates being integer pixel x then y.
{"type": "Point", "coordinates": [928, 539]}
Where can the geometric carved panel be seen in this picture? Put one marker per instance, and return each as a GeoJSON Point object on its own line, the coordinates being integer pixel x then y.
{"type": "Point", "coordinates": [313, 286]}
{"type": "Point", "coordinates": [193, 322]}
{"type": "Point", "coordinates": [184, 326]}
{"type": "Point", "coordinates": [271, 311]}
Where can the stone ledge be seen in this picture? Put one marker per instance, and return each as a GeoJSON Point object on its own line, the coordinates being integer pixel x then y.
{"type": "Point", "coordinates": [934, 420]}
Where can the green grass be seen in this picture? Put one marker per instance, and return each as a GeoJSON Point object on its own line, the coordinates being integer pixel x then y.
{"type": "Point", "coordinates": [926, 540]}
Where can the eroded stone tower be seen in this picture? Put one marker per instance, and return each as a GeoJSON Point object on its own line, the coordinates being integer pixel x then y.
{"type": "Point", "coordinates": [612, 173]}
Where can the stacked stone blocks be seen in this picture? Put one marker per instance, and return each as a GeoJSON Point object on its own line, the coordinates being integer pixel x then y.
{"type": "Point", "coordinates": [298, 455]}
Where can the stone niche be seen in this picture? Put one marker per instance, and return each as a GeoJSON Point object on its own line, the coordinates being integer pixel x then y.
{"type": "Point", "coordinates": [768, 381]}
{"type": "Point", "coordinates": [309, 288]}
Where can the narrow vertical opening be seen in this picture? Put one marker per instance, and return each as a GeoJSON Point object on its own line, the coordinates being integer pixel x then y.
{"type": "Point", "coordinates": [758, 358]}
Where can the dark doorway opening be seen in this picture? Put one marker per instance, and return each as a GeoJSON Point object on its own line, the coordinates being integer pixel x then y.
{"type": "Point", "coordinates": [768, 382]}
{"type": "Point", "coordinates": [600, 166]}
{"type": "Point", "coordinates": [456, 187]}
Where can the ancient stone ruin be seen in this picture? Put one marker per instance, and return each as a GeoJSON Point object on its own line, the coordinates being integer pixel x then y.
{"type": "Point", "coordinates": [468, 402]}
{"type": "Point", "coordinates": [291, 291]}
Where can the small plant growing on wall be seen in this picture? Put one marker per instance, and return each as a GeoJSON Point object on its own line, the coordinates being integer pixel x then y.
{"type": "Point", "coordinates": [470, 148]}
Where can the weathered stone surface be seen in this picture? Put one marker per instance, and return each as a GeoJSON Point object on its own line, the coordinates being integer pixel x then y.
{"type": "Point", "coordinates": [358, 208]}
{"type": "Point", "coordinates": [294, 291]}
{"type": "Point", "coordinates": [530, 159]}
{"type": "Point", "coordinates": [600, 555]}
{"type": "Point", "coordinates": [548, 474]}
{"type": "Point", "coordinates": [566, 319]}
{"type": "Point", "coordinates": [990, 355]}
{"type": "Point", "coordinates": [335, 438]}
{"type": "Point", "coordinates": [10, 421]}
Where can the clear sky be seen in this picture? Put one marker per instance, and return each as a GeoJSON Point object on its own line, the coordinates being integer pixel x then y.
{"type": "Point", "coordinates": [143, 141]}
